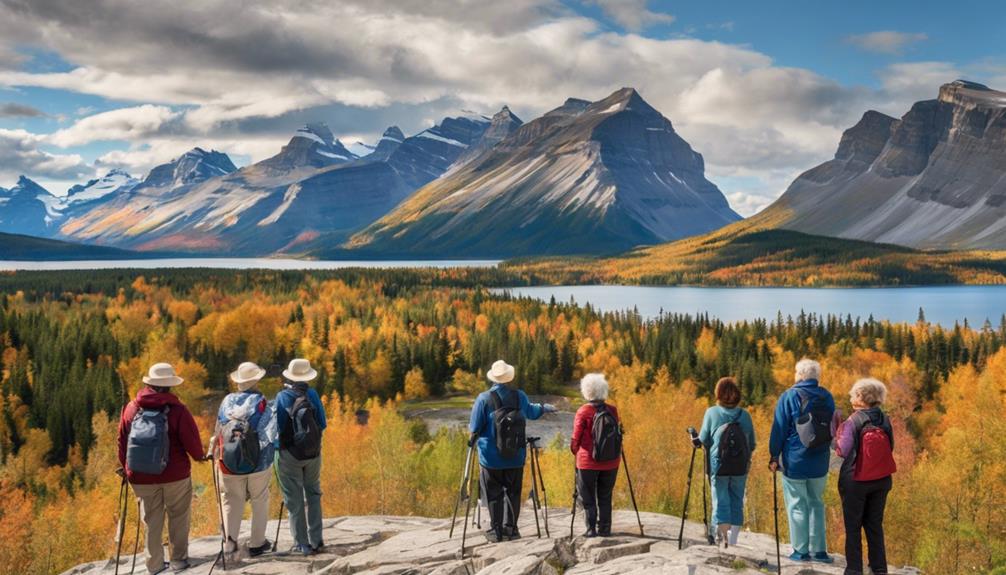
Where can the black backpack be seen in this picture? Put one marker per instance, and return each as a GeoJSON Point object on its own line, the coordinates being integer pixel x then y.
{"type": "Point", "coordinates": [607, 434]}
{"type": "Point", "coordinates": [238, 442]}
{"type": "Point", "coordinates": [734, 451]}
{"type": "Point", "coordinates": [302, 435]}
{"type": "Point", "coordinates": [814, 424]}
{"type": "Point", "coordinates": [509, 423]}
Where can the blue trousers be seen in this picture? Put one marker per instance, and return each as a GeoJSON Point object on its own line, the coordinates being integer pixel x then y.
{"type": "Point", "coordinates": [300, 482]}
{"type": "Point", "coordinates": [728, 500]}
{"type": "Point", "coordinates": [805, 507]}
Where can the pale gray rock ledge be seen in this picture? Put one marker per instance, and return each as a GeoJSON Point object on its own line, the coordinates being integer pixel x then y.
{"type": "Point", "coordinates": [376, 545]}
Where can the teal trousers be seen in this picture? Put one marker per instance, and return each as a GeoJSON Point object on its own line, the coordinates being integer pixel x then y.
{"type": "Point", "coordinates": [805, 507]}
{"type": "Point", "coordinates": [300, 482]}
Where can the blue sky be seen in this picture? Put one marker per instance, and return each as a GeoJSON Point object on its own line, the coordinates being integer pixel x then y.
{"type": "Point", "coordinates": [762, 89]}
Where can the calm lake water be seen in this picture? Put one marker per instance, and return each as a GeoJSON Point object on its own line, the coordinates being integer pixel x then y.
{"type": "Point", "coordinates": [944, 305]}
{"type": "Point", "coordinates": [238, 264]}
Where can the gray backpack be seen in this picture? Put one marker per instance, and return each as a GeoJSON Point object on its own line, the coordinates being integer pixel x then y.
{"type": "Point", "coordinates": [814, 424]}
{"type": "Point", "coordinates": [147, 446]}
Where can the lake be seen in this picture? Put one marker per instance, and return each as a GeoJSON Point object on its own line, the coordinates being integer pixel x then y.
{"type": "Point", "coordinates": [237, 264]}
{"type": "Point", "coordinates": [943, 304]}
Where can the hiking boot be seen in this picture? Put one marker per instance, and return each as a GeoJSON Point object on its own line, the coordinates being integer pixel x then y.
{"type": "Point", "coordinates": [163, 569]}
{"type": "Point", "coordinates": [319, 548]}
{"type": "Point", "coordinates": [590, 533]}
{"type": "Point", "coordinates": [299, 549]}
{"type": "Point", "coordinates": [261, 549]}
{"type": "Point", "coordinates": [182, 565]}
{"type": "Point", "coordinates": [513, 533]}
{"type": "Point", "coordinates": [604, 531]}
{"type": "Point", "coordinates": [805, 557]}
{"type": "Point", "coordinates": [822, 557]}
{"type": "Point", "coordinates": [492, 536]}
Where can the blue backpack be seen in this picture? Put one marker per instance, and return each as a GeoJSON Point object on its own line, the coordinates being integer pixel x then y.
{"type": "Point", "coordinates": [238, 442]}
{"type": "Point", "coordinates": [147, 447]}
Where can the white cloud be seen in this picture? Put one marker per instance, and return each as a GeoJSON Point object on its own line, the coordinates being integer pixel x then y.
{"type": "Point", "coordinates": [886, 41]}
{"type": "Point", "coordinates": [130, 124]}
{"type": "Point", "coordinates": [20, 154]}
{"type": "Point", "coordinates": [240, 76]}
{"type": "Point", "coordinates": [632, 14]}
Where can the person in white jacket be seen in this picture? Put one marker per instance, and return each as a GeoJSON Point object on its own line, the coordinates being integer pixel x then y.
{"type": "Point", "coordinates": [245, 412]}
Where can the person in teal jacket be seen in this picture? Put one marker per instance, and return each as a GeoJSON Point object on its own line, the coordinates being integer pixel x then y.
{"type": "Point", "coordinates": [728, 490]}
{"type": "Point", "coordinates": [804, 469]}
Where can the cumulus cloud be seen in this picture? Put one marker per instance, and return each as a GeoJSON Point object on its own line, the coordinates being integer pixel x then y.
{"type": "Point", "coordinates": [632, 14]}
{"type": "Point", "coordinates": [15, 110]}
{"type": "Point", "coordinates": [129, 124]}
{"type": "Point", "coordinates": [240, 76]}
{"type": "Point", "coordinates": [20, 154]}
{"type": "Point", "coordinates": [886, 41]}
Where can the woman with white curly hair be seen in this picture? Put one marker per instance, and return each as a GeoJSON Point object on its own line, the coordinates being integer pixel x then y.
{"type": "Point", "coordinates": [597, 458]}
{"type": "Point", "coordinates": [866, 442]}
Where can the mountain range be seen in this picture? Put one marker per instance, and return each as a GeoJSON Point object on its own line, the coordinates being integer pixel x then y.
{"type": "Point", "coordinates": [588, 178]}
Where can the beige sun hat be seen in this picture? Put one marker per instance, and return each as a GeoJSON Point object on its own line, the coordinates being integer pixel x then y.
{"type": "Point", "coordinates": [162, 375]}
{"type": "Point", "coordinates": [501, 372]}
{"type": "Point", "coordinates": [300, 370]}
{"type": "Point", "coordinates": [247, 375]}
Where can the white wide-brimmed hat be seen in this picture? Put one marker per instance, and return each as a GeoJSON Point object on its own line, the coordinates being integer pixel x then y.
{"type": "Point", "coordinates": [501, 372]}
{"type": "Point", "coordinates": [162, 375]}
{"type": "Point", "coordinates": [300, 370]}
{"type": "Point", "coordinates": [247, 375]}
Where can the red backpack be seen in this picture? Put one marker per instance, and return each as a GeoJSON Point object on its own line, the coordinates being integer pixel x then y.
{"type": "Point", "coordinates": [875, 456]}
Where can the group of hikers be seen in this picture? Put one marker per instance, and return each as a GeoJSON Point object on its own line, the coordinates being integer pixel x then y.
{"type": "Point", "coordinates": [255, 437]}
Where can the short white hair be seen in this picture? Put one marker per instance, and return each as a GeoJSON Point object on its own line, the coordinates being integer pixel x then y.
{"type": "Point", "coordinates": [807, 369]}
{"type": "Point", "coordinates": [594, 387]}
{"type": "Point", "coordinates": [869, 391]}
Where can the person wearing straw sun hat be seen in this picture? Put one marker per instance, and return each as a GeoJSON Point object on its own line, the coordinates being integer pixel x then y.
{"type": "Point", "coordinates": [246, 425]}
{"type": "Point", "coordinates": [502, 472]}
{"type": "Point", "coordinates": [161, 477]}
{"type": "Point", "coordinates": [300, 419]}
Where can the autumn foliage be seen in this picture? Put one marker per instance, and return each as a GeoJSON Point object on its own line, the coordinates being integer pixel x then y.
{"type": "Point", "coordinates": [71, 356]}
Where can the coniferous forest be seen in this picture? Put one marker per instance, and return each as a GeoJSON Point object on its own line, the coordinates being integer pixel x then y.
{"type": "Point", "coordinates": [75, 344]}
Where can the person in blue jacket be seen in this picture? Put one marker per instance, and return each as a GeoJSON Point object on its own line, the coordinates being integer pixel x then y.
{"type": "Point", "coordinates": [805, 470]}
{"type": "Point", "coordinates": [300, 476]}
{"type": "Point", "coordinates": [249, 405]}
{"type": "Point", "coordinates": [728, 490]}
{"type": "Point", "coordinates": [501, 477]}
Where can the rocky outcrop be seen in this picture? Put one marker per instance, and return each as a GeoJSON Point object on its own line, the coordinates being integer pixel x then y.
{"type": "Point", "coordinates": [935, 178]}
{"type": "Point", "coordinates": [28, 209]}
{"type": "Point", "coordinates": [584, 178]}
{"type": "Point", "coordinates": [376, 545]}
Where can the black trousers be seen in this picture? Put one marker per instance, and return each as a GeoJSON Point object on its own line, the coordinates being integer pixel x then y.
{"type": "Point", "coordinates": [595, 489]}
{"type": "Point", "coordinates": [863, 504]}
{"type": "Point", "coordinates": [501, 490]}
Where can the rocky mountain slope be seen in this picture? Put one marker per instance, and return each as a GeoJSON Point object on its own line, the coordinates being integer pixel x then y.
{"type": "Point", "coordinates": [415, 546]}
{"type": "Point", "coordinates": [314, 190]}
{"type": "Point", "coordinates": [28, 209]}
{"type": "Point", "coordinates": [584, 178]}
{"type": "Point", "coordinates": [936, 178]}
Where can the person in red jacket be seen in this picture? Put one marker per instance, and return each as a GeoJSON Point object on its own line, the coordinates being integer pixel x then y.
{"type": "Point", "coordinates": [595, 480]}
{"type": "Point", "coordinates": [170, 491]}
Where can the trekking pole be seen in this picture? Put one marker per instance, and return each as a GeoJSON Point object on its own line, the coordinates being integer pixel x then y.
{"type": "Point", "coordinates": [221, 558]}
{"type": "Point", "coordinates": [120, 526]}
{"type": "Point", "coordinates": [468, 508]}
{"type": "Point", "coordinates": [688, 492]}
{"type": "Point", "coordinates": [632, 493]}
{"type": "Point", "coordinates": [572, 508]}
{"type": "Point", "coordinates": [462, 495]}
{"type": "Point", "coordinates": [775, 508]}
{"type": "Point", "coordinates": [279, 520]}
{"type": "Point", "coordinates": [477, 516]}
{"type": "Point", "coordinates": [705, 510]}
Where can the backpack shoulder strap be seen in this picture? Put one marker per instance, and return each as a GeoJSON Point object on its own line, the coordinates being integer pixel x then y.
{"type": "Point", "coordinates": [805, 400]}
{"type": "Point", "coordinates": [497, 400]}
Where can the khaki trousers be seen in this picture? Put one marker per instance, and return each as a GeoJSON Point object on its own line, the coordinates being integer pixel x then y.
{"type": "Point", "coordinates": [175, 500]}
{"type": "Point", "coordinates": [236, 489]}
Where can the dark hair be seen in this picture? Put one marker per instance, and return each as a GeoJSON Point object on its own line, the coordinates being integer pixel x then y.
{"type": "Point", "coordinates": [728, 394]}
